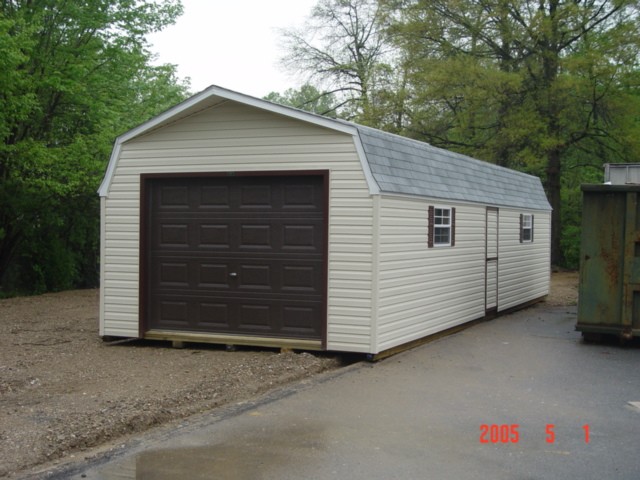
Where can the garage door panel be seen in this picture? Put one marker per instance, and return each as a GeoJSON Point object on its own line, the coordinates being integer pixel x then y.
{"type": "Point", "coordinates": [238, 315]}
{"type": "Point", "coordinates": [301, 197]}
{"type": "Point", "coordinates": [238, 235]}
{"type": "Point", "coordinates": [212, 275]}
{"type": "Point", "coordinates": [301, 278]}
{"type": "Point", "coordinates": [213, 196]}
{"type": "Point", "coordinates": [255, 277]}
{"type": "Point", "coordinates": [173, 197]}
{"type": "Point", "coordinates": [214, 236]}
{"type": "Point", "coordinates": [176, 312]}
{"type": "Point", "coordinates": [289, 276]}
{"type": "Point", "coordinates": [172, 313]}
{"type": "Point", "coordinates": [257, 197]}
{"type": "Point", "coordinates": [243, 194]}
{"type": "Point", "coordinates": [300, 320]}
{"type": "Point", "coordinates": [255, 318]}
{"type": "Point", "coordinates": [173, 235]}
{"type": "Point", "coordinates": [213, 316]}
{"type": "Point", "coordinates": [302, 237]}
{"type": "Point", "coordinates": [256, 237]}
{"type": "Point", "coordinates": [241, 255]}
{"type": "Point", "coordinates": [174, 274]}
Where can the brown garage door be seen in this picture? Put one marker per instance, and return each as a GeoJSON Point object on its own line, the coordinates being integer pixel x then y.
{"type": "Point", "coordinates": [236, 255]}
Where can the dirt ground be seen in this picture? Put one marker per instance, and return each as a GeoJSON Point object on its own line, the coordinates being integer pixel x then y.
{"type": "Point", "coordinates": [64, 391]}
{"type": "Point", "coordinates": [564, 289]}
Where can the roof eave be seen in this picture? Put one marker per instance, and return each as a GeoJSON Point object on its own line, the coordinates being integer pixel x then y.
{"type": "Point", "coordinates": [457, 201]}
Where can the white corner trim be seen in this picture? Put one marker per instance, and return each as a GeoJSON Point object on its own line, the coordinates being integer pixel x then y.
{"type": "Point", "coordinates": [103, 258]}
{"type": "Point", "coordinates": [374, 188]}
{"type": "Point", "coordinates": [103, 191]}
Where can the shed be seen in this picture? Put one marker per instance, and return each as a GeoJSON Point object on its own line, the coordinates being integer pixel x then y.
{"type": "Point", "coordinates": [230, 219]}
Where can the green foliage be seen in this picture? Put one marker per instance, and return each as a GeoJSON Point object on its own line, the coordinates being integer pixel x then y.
{"type": "Point", "coordinates": [307, 98]}
{"type": "Point", "coordinates": [577, 172]}
{"type": "Point", "coordinates": [73, 75]}
{"type": "Point", "coordinates": [543, 86]}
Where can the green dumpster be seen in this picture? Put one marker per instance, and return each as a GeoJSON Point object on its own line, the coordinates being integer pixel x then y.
{"type": "Point", "coordinates": [609, 288]}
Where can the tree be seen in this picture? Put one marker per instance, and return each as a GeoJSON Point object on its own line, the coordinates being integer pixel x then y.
{"type": "Point", "coordinates": [307, 98]}
{"type": "Point", "coordinates": [73, 75]}
{"type": "Point", "coordinates": [533, 84]}
{"type": "Point", "coordinates": [343, 49]}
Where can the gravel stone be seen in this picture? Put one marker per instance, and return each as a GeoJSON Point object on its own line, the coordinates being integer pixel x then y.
{"type": "Point", "coordinates": [63, 390]}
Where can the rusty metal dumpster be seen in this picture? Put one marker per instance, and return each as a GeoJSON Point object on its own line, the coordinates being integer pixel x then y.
{"type": "Point", "coordinates": [609, 288]}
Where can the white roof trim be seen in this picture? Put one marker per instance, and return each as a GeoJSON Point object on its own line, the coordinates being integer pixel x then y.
{"type": "Point", "coordinates": [215, 91]}
{"type": "Point", "coordinates": [374, 188]}
{"type": "Point", "coordinates": [447, 201]}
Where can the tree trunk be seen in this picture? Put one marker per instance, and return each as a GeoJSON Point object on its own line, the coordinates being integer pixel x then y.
{"type": "Point", "coordinates": [8, 248]}
{"type": "Point", "coordinates": [553, 192]}
{"type": "Point", "coordinates": [550, 50]}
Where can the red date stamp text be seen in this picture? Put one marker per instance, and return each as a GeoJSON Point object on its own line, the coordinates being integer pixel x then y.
{"type": "Point", "coordinates": [510, 433]}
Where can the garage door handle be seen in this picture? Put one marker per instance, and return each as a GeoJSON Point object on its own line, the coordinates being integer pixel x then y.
{"type": "Point", "coordinates": [233, 274]}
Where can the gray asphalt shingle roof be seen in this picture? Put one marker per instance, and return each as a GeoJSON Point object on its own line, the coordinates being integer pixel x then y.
{"type": "Point", "coordinates": [402, 165]}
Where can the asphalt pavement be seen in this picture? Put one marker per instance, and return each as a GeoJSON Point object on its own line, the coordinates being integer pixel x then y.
{"type": "Point", "coordinates": [517, 397]}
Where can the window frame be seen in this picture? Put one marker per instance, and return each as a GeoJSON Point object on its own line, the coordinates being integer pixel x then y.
{"type": "Point", "coordinates": [526, 218]}
{"type": "Point", "coordinates": [435, 227]}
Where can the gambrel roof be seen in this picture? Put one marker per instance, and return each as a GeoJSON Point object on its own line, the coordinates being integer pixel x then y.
{"type": "Point", "coordinates": [391, 163]}
{"type": "Point", "coordinates": [402, 165]}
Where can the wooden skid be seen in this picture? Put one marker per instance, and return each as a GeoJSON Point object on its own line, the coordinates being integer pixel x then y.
{"type": "Point", "coordinates": [171, 336]}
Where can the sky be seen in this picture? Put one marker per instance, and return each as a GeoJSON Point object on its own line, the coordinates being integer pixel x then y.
{"type": "Point", "coordinates": [234, 44]}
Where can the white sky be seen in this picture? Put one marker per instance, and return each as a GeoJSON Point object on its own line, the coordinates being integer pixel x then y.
{"type": "Point", "coordinates": [231, 43]}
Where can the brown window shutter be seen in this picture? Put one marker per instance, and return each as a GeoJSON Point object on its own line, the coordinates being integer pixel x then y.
{"type": "Point", "coordinates": [521, 225]}
{"type": "Point", "coordinates": [431, 226]}
{"type": "Point", "coordinates": [453, 227]}
{"type": "Point", "coordinates": [532, 228]}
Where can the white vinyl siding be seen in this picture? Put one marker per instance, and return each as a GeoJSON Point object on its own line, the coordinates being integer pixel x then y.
{"type": "Point", "coordinates": [524, 269]}
{"type": "Point", "coordinates": [236, 137]}
{"type": "Point", "coordinates": [424, 290]}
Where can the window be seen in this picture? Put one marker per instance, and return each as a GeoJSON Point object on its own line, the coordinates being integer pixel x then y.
{"type": "Point", "coordinates": [442, 232]}
{"type": "Point", "coordinates": [526, 228]}
{"type": "Point", "coordinates": [442, 221]}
